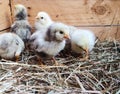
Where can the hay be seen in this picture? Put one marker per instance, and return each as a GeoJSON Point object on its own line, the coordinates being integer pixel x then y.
{"type": "Point", "coordinates": [99, 75]}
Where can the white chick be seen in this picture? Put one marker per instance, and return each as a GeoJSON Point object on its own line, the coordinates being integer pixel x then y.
{"type": "Point", "coordinates": [82, 40]}
{"type": "Point", "coordinates": [51, 42]}
{"type": "Point", "coordinates": [11, 46]}
{"type": "Point", "coordinates": [43, 21]}
{"type": "Point", "coordinates": [21, 25]}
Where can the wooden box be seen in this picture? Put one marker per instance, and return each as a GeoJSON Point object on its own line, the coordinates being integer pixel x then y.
{"type": "Point", "coordinates": [101, 16]}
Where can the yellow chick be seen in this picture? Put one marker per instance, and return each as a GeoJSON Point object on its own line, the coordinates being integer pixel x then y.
{"type": "Point", "coordinates": [11, 46]}
{"type": "Point", "coordinates": [43, 21]}
{"type": "Point", "coordinates": [82, 40]}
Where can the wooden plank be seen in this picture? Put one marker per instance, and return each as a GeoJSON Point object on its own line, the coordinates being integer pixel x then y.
{"type": "Point", "coordinates": [76, 12]}
{"type": "Point", "coordinates": [79, 13]}
{"type": "Point", "coordinates": [5, 14]}
{"type": "Point", "coordinates": [105, 33]}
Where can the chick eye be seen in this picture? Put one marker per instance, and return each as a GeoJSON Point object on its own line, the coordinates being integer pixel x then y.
{"type": "Point", "coordinates": [61, 32]}
{"type": "Point", "coordinates": [41, 17]}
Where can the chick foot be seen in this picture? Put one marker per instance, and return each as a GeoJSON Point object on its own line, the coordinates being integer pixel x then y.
{"type": "Point", "coordinates": [17, 58]}
{"type": "Point", "coordinates": [40, 62]}
{"type": "Point", "coordinates": [56, 63]}
{"type": "Point", "coordinates": [86, 56]}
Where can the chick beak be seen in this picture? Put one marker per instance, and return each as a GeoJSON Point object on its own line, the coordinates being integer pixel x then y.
{"type": "Point", "coordinates": [15, 6]}
{"type": "Point", "coordinates": [66, 36]}
{"type": "Point", "coordinates": [37, 17]}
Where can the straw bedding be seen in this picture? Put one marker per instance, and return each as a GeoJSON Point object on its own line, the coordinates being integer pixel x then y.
{"type": "Point", "coordinates": [99, 75]}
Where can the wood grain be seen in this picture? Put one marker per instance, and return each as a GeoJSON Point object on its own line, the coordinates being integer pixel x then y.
{"type": "Point", "coordinates": [105, 33]}
{"type": "Point", "coordinates": [5, 14]}
{"type": "Point", "coordinates": [76, 12]}
{"type": "Point", "coordinates": [101, 16]}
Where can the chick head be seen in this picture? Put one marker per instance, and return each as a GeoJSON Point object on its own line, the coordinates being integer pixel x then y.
{"type": "Point", "coordinates": [43, 18]}
{"type": "Point", "coordinates": [20, 11]}
{"type": "Point", "coordinates": [59, 31]}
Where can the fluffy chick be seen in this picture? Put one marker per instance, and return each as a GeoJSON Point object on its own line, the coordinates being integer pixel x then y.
{"type": "Point", "coordinates": [82, 40]}
{"type": "Point", "coordinates": [51, 42]}
{"type": "Point", "coordinates": [43, 20]}
{"type": "Point", "coordinates": [11, 46]}
{"type": "Point", "coordinates": [21, 25]}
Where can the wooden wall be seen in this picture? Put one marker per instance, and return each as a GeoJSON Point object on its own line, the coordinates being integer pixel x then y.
{"type": "Point", "coordinates": [5, 14]}
{"type": "Point", "coordinates": [101, 16]}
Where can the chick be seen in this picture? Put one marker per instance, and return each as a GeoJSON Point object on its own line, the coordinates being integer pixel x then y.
{"type": "Point", "coordinates": [11, 46]}
{"type": "Point", "coordinates": [82, 40]}
{"type": "Point", "coordinates": [43, 20]}
{"type": "Point", "coordinates": [51, 42]}
{"type": "Point", "coordinates": [21, 25]}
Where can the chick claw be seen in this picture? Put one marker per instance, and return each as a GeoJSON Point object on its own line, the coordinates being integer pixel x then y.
{"type": "Point", "coordinates": [56, 63]}
{"type": "Point", "coordinates": [86, 57]}
{"type": "Point", "coordinates": [17, 58]}
{"type": "Point", "coordinates": [41, 63]}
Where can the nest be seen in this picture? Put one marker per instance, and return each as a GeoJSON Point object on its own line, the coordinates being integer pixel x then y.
{"type": "Point", "coordinates": [99, 75]}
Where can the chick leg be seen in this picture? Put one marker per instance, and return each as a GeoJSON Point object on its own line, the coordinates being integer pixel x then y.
{"type": "Point", "coordinates": [17, 58]}
{"type": "Point", "coordinates": [86, 56]}
{"type": "Point", "coordinates": [56, 63]}
{"type": "Point", "coordinates": [40, 62]}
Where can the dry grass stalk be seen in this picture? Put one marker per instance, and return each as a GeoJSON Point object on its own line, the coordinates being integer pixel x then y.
{"type": "Point", "coordinates": [99, 75]}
